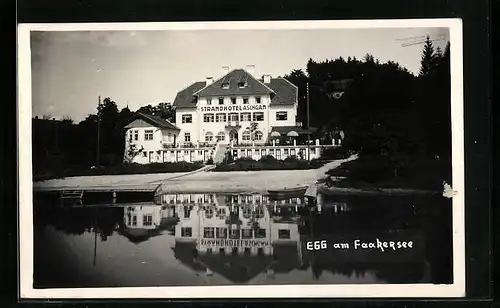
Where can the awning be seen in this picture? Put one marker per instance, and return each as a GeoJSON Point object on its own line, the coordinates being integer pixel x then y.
{"type": "Point", "coordinates": [275, 134]}
{"type": "Point", "coordinates": [292, 134]}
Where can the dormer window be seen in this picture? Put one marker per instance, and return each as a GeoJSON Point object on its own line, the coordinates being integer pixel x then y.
{"type": "Point", "coordinates": [242, 84]}
{"type": "Point", "coordinates": [225, 85]}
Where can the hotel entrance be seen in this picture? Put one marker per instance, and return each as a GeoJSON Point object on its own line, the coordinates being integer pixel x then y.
{"type": "Point", "coordinates": [233, 135]}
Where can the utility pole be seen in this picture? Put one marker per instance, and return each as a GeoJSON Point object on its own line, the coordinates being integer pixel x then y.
{"type": "Point", "coordinates": [98, 131]}
{"type": "Point", "coordinates": [308, 126]}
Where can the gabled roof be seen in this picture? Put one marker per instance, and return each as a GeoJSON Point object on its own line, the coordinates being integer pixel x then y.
{"type": "Point", "coordinates": [237, 268]}
{"type": "Point", "coordinates": [286, 92]}
{"type": "Point", "coordinates": [185, 98]}
{"type": "Point", "coordinates": [153, 120]}
{"type": "Point", "coordinates": [233, 78]}
{"type": "Point", "coordinates": [281, 90]}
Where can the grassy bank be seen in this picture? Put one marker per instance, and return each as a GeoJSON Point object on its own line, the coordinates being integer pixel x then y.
{"type": "Point", "coordinates": [268, 163]}
{"type": "Point", "coordinates": [379, 172]}
{"type": "Point", "coordinates": [119, 170]}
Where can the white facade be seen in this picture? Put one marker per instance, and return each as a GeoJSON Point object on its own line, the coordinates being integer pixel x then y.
{"type": "Point", "coordinates": [211, 121]}
{"type": "Point", "coordinates": [142, 217]}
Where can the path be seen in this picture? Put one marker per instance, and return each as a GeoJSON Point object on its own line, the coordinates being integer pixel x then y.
{"type": "Point", "coordinates": [247, 181]}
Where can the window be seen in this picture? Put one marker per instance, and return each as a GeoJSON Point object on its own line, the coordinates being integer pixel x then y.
{"type": "Point", "coordinates": [147, 220]}
{"type": "Point", "coordinates": [258, 135]}
{"type": "Point", "coordinates": [225, 85]}
{"type": "Point", "coordinates": [130, 136]}
{"type": "Point", "coordinates": [271, 152]}
{"type": "Point", "coordinates": [208, 232]}
{"type": "Point", "coordinates": [245, 100]}
{"type": "Point", "coordinates": [245, 116]}
{"type": "Point", "coordinates": [136, 135]}
{"type": "Point", "coordinates": [220, 117]}
{"type": "Point", "coordinates": [233, 116]}
{"type": "Point", "coordinates": [242, 84]}
{"type": "Point", "coordinates": [258, 116]}
{"type": "Point", "coordinates": [221, 100]}
{"type": "Point", "coordinates": [263, 152]}
{"type": "Point", "coordinates": [285, 152]}
{"type": "Point", "coordinates": [187, 137]}
{"type": "Point", "coordinates": [313, 150]}
{"type": "Point", "coordinates": [145, 154]}
{"type": "Point", "coordinates": [134, 220]}
{"type": "Point", "coordinates": [221, 136]}
{"type": "Point", "coordinates": [235, 251]}
{"type": "Point", "coordinates": [283, 233]}
{"type": "Point", "coordinates": [246, 233]}
{"type": "Point", "coordinates": [209, 250]}
{"type": "Point", "coordinates": [148, 134]}
{"type": "Point", "coordinates": [187, 232]}
{"type": "Point", "coordinates": [281, 116]}
{"type": "Point", "coordinates": [257, 100]}
{"type": "Point", "coordinates": [187, 118]}
{"type": "Point", "coordinates": [208, 117]}
{"type": "Point", "coordinates": [209, 101]}
{"type": "Point", "coordinates": [245, 136]}
{"type": "Point", "coordinates": [233, 100]}
{"type": "Point", "coordinates": [247, 251]}
{"type": "Point", "coordinates": [221, 233]}
{"type": "Point", "coordinates": [209, 137]}
{"type": "Point", "coordinates": [260, 233]}
{"type": "Point", "coordinates": [235, 234]}
{"type": "Point", "coordinates": [209, 213]}
{"type": "Point", "coordinates": [260, 251]}
{"type": "Point", "coordinates": [221, 213]}
{"type": "Point", "coordinates": [222, 251]}
{"type": "Point", "coordinates": [187, 211]}
{"type": "Point", "coordinates": [292, 152]}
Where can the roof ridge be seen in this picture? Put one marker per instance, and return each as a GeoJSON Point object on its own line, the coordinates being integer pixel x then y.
{"type": "Point", "coordinates": [207, 85]}
{"type": "Point", "coordinates": [261, 82]}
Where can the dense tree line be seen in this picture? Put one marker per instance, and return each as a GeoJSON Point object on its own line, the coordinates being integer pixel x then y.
{"type": "Point", "coordinates": [385, 111]}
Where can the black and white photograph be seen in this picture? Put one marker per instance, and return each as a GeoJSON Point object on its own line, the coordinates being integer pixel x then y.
{"type": "Point", "coordinates": [267, 159]}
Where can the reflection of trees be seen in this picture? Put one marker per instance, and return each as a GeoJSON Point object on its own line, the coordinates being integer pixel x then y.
{"type": "Point", "coordinates": [394, 272]}
{"type": "Point", "coordinates": [431, 215]}
{"type": "Point", "coordinates": [78, 221]}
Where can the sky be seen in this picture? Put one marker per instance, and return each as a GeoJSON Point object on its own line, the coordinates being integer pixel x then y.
{"type": "Point", "coordinates": [71, 69]}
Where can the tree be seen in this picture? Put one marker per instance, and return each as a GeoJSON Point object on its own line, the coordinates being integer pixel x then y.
{"type": "Point", "coordinates": [427, 61]}
{"type": "Point", "coordinates": [254, 126]}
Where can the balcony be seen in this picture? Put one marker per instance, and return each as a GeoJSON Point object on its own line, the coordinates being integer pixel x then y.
{"type": "Point", "coordinates": [233, 124]}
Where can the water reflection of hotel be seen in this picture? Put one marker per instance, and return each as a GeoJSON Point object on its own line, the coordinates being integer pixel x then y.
{"type": "Point", "coordinates": [237, 236]}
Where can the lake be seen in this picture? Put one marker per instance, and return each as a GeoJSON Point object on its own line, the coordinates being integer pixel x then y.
{"type": "Point", "coordinates": [201, 239]}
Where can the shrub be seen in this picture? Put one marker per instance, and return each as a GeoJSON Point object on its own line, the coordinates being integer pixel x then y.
{"type": "Point", "coordinates": [210, 161]}
{"type": "Point", "coordinates": [292, 158]}
{"type": "Point", "coordinates": [336, 153]}
{"type": "Point", "coordinates": [268, 159]}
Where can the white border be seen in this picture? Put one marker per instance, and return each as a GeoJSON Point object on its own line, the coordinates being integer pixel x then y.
{"type": "Point", "coordinates": [457, 289]}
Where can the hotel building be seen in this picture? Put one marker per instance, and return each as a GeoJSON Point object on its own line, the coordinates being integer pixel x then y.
{"type": "Point", "coordinates": [238, 112]}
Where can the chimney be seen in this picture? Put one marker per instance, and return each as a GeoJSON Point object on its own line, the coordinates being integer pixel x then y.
{"type": "Point", "coordinates": [267, 78]}
{"type": "Point", "coordinates": [250, 69]}
{"type": "Point", "coordinates": [209, 80]}
{"type": "Point", "coordinates": [225, 70]}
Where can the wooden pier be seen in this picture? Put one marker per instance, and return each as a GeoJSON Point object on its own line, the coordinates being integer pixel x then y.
{"type": "Point", "coordinates": [98, 194]}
